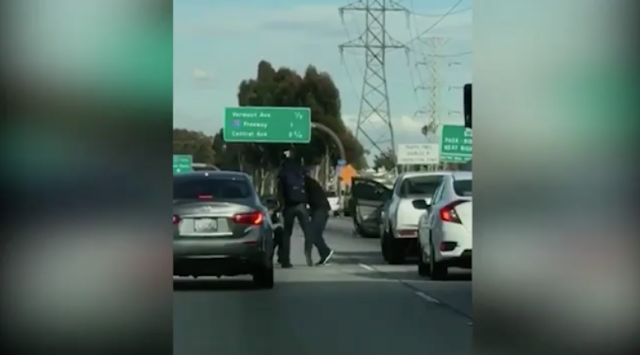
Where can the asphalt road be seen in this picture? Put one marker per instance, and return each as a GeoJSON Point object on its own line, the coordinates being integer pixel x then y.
{"type": "Point", "coordinates": [356, 305]}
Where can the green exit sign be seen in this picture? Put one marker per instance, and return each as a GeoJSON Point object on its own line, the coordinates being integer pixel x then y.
{"type": "Point", "coordinates": [182, 163]}
{"type": "Point", "coordinates": [267, 124]}
{"type": "Point", "coordinates": [456, 145]}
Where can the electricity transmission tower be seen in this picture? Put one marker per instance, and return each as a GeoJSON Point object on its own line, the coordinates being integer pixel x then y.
{"type": "Point", "coordinates": [432, 62]}
{"type": "Point", "coordinates": [376, 42]}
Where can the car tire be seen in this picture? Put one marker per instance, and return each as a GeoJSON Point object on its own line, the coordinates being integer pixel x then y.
{"type": "Point", "coordinates": [423, 267]}
{"type": "Point", "coordinates": [437, 271]}
{"type": "Point", "coordinates": [392, 251]}
{"type": "Point", "coordinates": [368, 235]}
{"type": "Point", "coordinates": [263, 275]}
{"type": "Point", "coordinates": [263, 278]}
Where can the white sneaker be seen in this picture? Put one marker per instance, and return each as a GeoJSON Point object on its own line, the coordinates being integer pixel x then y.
{"type": "Point", "coordinates": [325, 260]}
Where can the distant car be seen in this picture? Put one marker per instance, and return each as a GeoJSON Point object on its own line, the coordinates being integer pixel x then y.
{"type": "Point", "coordinates": [445, 235]}
{"type": "Point", "coordinates": [387, 212]}
{"type": "Point", "coordinates": [203, 167]}
{"type": "Point", "coordinates": [221, 227]}
{"type": "Point", "coordinates": [334, 203]}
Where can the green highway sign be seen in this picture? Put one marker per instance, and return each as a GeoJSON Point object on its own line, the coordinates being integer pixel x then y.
{"type": "Point", "coordinates": [267, 124]}
{"type": "Point", "coordinates": [456, 144]}
{"type": "Point", "coordinates": [182, 164]}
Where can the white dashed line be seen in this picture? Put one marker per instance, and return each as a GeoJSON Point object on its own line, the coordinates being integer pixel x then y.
{"type": "Point", "coordinates": [426, 297]}
{"type": "Point", "coordinates": [366, 267]}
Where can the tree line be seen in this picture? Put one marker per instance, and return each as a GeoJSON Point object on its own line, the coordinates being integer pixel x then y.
{"type": "Point", "coordinates": [281, 87]}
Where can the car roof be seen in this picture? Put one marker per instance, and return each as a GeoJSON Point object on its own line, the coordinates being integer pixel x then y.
{"type": "Point", "coordinates": [411, 174]}
{"type": "Point", "coordinates": [220, 174]}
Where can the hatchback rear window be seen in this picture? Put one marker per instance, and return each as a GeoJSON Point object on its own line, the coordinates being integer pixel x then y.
{"type": "Point", "coordinates": [463, 187]}
{"type": "Point", "coordinates": [420, 185]}
{"type": "Point", "coordinates": [215, 187]}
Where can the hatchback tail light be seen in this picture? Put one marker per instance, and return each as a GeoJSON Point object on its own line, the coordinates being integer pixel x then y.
{"type": "Point", "coordinates": [448, 213]}
{"type": "Point", "coordinates": [176, 220]}
{"type": "Point", "coordinates": [252, 218]}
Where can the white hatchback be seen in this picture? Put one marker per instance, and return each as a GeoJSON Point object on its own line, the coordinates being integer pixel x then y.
{"type": "Point", "coordinates": [445, 237]}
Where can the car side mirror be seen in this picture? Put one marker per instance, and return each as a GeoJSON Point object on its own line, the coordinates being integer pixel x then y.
{"type": "Point", "coordinates": [270, 203]}
{"type": "Point", "coordinates": [420, 204]}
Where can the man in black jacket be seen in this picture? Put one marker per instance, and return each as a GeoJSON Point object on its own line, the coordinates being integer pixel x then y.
{"type": "Point", "coordinates": [293, 201]}
{"type": "Point", "coordinates": [319, 209]}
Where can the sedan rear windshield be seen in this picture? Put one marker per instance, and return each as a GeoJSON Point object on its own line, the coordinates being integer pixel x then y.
{"type": "Point", "coordinates": [420, 185]}
{"type": "Point", "coordinates": [185, 189]}
{"type": "Point", "coordinates": [463, 187]}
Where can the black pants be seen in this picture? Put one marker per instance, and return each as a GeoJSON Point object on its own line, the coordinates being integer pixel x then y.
{"type": "Point", "coordinates": [289, 215]}
{"type": "Point", "coordinates": [318, 223]}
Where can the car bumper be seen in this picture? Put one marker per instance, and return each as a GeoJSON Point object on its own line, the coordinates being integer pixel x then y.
{"type": "Point", "coordinates": [459, 245]}
{"type": "Point", "coordinates": [461, 259]}
{"type": "Point", "coordinates": [218, 257]}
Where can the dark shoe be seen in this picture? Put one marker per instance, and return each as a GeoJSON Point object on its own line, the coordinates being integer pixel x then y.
{"type": "Point", "coordinates": [307, 254]}
{"type": "Point", "coordinates": [325, 260]}
{"type": "Point", "coordinates": [286, 265]}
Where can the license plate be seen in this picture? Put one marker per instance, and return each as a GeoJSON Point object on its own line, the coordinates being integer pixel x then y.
{"type": "Point", "coordinates": [205, 225]}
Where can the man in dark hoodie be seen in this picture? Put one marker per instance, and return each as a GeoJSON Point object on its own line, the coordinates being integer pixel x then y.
{"type": "Point", "coordinates": [292, 196]}
{"type": "Point", "coordinates": [319, 210]}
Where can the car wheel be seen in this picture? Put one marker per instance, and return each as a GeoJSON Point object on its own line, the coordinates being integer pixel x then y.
{"type": "Point", "coordinates": [423, 267]}
{"type": "Point", "coordinates": [263, 277]}
{"type": "Point", "coordinates": [392, 251]}
{"type": "Point", "coordinates": [437, 271]}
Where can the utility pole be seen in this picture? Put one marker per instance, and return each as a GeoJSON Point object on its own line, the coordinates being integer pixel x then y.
{"type": "Point", "coordinates": [375, 41]}
{"type": "Point", "coordinates": [432, 62]}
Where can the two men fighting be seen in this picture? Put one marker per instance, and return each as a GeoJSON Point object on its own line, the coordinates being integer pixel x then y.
{"type": "Point", "coordinates": [296, 190]}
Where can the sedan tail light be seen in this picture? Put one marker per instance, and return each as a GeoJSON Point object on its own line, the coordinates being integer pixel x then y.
{"type": "Point", "coordinates": [252, 218]}
{"type": "Point", "coordinates": [176, 220]}
{"type": "Point", "coordinates": [448, 213]}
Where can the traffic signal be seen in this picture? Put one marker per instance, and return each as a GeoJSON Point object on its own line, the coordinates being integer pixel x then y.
{"type": "Point", "coordinates": [467, 106]}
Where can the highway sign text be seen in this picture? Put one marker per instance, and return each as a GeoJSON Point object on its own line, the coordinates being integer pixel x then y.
{"type": "Point", "coordinates": [182, 163]}
{"type": "Point", "coordinates": [267, 124]}
{"type": "Point", "coordinates": [456, 144]}
{"type": "Point", "coordinates": [418, 154]}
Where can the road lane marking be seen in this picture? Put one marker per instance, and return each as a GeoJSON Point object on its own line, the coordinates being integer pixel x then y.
{"type": "Point", "coordinates": [426, 297]}
{"type": "Point", "coordinates": [367, 267]}
{"type": "Point", "coordinates": [415, 290]}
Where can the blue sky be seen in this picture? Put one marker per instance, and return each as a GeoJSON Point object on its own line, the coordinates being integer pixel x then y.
{"type": "Point", "coordinates": [219, 43]}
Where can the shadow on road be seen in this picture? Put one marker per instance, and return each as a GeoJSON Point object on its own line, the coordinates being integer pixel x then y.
{"type": "Point", "coordinates": [454, 275]}
{"type": "Point", "coordinates": [213, 285]}
{"type": "Point", "coordinates": [356, 257]}
{"type": "Point", "coordinates": [371, 258]}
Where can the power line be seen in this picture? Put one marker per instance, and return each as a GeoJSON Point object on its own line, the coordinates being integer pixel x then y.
{"type": "Point", "coordinates": [435, 23]}
{"type": "Point", "coordinates": [451, 55]}
{"type": "Point", "coordinates": [349, 77]}
{"type": "Point", "coordinates": [440, 15]}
